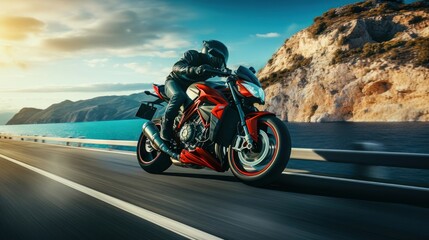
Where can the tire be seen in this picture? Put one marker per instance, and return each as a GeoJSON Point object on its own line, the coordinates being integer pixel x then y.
{"type": "Point", "coordinates": [151, 161]}
{"type": "Point", "coordinates": [263, 166]}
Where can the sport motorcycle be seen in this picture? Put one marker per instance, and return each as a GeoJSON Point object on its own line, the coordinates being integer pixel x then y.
{"type": "Point", "coordinates": [218, 128]}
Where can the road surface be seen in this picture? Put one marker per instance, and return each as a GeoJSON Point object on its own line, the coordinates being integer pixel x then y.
{"type": "Point", "coordinates": [37, 201]}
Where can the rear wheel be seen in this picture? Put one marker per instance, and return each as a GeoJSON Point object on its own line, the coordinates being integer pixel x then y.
{"type": "Point", "coordinates": [265, 163]}
{"type": "Point", "coordinates": [151, 159]}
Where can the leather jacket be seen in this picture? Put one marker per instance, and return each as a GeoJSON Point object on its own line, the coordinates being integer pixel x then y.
{"type": "Point", "coordinates": [182, 70]}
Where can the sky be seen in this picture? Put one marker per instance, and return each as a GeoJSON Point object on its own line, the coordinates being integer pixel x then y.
{"type": "Point", "coordinates": [54, 50]}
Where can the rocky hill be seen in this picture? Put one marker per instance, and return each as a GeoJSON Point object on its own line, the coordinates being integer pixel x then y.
{"type": "Point", "coordinates": [363, 62]}
{"type": "Point", "coordinates": [5, 116]}
{"type": "Point", "coordinates": [95, 109]}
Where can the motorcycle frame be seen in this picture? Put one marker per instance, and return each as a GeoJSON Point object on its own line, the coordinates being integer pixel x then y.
{"type": "Point", "coordinates": [206, 94]}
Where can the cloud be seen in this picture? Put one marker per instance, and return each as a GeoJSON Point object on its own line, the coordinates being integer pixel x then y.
{"type": "Point", "coordinates": [144, 69]}
{"type": "Point", "coordinates": [148, 69]}
{"type": "Point", "coordinates": [8, 58]}
{"type": "Point", "coordinates": [99, 87]}
{"type": "Point", "coordinates": [145, 28]}
{"type": "Point", "coordinates": [15, 28]}
{"type": "Point", "coordinates": [43, 31]}
{"type": "Point", "coordinates": [268, 35]}
{"type": "Point", "coordinates": [97, 62]}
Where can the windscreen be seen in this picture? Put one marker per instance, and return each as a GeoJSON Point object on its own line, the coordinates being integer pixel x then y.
{"type": "Point", "coordinates": [245, 74]}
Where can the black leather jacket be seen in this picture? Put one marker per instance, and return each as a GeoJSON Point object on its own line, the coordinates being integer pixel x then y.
{"type": "Point", "coordinates": [181, 70]}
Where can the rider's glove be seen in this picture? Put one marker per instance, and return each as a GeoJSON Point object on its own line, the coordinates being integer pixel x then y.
{"type": "Point", "coordinates": [201, 70]}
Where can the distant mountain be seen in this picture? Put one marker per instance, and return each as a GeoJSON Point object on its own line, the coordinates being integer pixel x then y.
{"type": "Point", "coordinates": [95, 109]}
{"type": "Point", "coordinates": [5, 116]}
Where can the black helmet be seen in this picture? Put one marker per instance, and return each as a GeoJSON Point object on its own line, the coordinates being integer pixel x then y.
{"type": "Point", "coordinates": [215, 49]}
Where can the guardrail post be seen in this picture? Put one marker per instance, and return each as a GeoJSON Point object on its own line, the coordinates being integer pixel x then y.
{"type": "Point", "coordinates": [79, 144]}
{"type": "Point", "coordinates": [369, 171]}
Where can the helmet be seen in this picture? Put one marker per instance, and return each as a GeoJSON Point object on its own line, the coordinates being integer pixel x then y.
{"type": "Point", "coordinates": [215, 49]}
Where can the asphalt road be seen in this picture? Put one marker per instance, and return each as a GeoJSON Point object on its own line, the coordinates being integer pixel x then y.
{"type": "Point", "coordinates": [33, 206]}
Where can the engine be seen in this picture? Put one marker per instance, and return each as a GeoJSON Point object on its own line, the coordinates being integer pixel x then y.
{"type": "Point", "coordinates": [193, 134]}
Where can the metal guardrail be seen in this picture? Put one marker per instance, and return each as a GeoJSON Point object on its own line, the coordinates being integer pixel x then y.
{"type": "Point", "coordinates": [70, 140]}
{"type": "Point", "coordinates": [369, 158]}
{"type": "Point", "coordinates": [372, 158]}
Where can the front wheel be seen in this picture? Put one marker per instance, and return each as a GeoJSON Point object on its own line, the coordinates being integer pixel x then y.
{"type": "Point", "coordinates": [150, 159]}
{"type": "Point", "coordinates": [266, 162]}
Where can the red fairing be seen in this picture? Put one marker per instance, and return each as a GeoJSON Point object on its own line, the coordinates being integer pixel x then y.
{"type": "Point", "coordinates": [207, 94]}
{"type": "Point", "coordinates": [156, 88]}
{"type": "Point", "coordinates": [211, 95]}
{"type": "Point", "coordinates": [218, 110]}
{"type": "Point", "coordinates": [200, 157]}
{"type": "Point", "coordinates": [242, 89]}
{"type": "Point", "coordinates": [252, 123]}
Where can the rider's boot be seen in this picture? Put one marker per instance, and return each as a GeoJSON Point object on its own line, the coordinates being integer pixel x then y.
{"type": "Point", "coordinates": [166, 130]}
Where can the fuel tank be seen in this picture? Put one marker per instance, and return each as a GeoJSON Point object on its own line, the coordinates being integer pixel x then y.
{"type": "Point", "coordinates": [193, 92]}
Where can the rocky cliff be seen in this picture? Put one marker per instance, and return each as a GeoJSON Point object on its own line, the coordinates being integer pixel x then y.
{"type": "Point", "coordinates": [363, 62]}
{"type": "Point", "coordinates": [95, 109]}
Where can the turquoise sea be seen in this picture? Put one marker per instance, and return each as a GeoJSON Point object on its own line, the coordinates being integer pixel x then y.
{"type": "Point", "coordinates": [394, 137]}
{"type": "Point", "coordinates": [112, 130]}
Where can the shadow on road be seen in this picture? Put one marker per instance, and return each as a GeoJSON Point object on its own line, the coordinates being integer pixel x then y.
{"type": "Point", "coordinates": [351, 190]}
{"type": "Point", "coordinates": [202, 176]}
{"type": "Point", "coordinates": [331, 188]}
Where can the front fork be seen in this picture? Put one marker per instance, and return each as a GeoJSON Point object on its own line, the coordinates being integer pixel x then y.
{"type": "Point", "coordinates": [245, 142]}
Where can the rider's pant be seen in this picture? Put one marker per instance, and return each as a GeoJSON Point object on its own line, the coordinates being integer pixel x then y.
{"type": "Point", "coordinates": [177, 96]}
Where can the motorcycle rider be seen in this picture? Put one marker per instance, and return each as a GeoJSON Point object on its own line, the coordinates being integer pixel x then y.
{"type": "Point", "coordinates": [193, 67]}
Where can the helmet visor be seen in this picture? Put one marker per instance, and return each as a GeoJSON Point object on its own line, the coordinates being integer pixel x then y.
{"type": "Point", "coordinates": [216, 59]}
{"type": "Point", "coordinates": [215, 53]}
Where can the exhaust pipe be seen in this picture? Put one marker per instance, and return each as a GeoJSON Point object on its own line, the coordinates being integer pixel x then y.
{"type": "Point", "coordinates": [152, 132]}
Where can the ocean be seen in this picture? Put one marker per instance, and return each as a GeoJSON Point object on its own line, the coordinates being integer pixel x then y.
{"type": "Point", "coordinates": [394, 137]}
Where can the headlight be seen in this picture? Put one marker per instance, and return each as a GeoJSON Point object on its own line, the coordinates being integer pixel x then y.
{"type": "Point", "coordinates": [253, 89]}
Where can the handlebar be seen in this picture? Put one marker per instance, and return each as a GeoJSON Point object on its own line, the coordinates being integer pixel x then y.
{"type": "Point", "coordinates": [221, 73]}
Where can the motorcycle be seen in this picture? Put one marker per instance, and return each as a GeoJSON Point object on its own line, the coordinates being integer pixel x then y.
{"type": "Point", "coordinates": [218, 128]}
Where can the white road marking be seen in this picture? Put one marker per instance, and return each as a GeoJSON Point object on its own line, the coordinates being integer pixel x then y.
{"type": "Point", "coordinates": [167, 223]}
{"type": "Point", "coordinates": [87, 148]}
{"type": "Point", "coordinates": [392, 185]}
{"type": "Point", "coordinates": [129, 153]}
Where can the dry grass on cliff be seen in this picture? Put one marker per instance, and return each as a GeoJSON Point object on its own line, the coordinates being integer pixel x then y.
{"type": "Point", "coordinates": [414, 51]}
{"type": "Point", "coordinates": [298, 60]}
{"type": "Point", "coordinates": [402, 52]}
{"type": "Point", "coordinates": [371, 8]}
